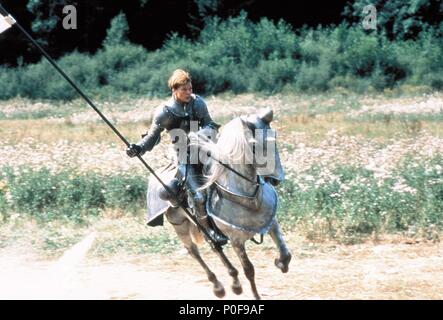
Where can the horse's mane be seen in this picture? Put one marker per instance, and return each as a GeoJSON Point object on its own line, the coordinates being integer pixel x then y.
{"type": "Point", "coordinates": [231, 148]}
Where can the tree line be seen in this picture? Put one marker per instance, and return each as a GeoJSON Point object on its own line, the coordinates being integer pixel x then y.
{"type": "Point", "coordinates": [236, 53]}
{"type": "Point", "coordinates": [152, 22]}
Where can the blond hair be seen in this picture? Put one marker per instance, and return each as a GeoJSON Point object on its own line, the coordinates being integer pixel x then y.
{"type": "Point", "coordinates": [178, 78]}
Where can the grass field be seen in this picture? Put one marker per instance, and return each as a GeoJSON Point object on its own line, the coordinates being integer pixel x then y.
{"type": "Point", "coordinates": [359, 167]}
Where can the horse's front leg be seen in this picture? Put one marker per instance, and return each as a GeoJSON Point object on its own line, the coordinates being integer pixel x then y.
{"type": "Point", "coordinates": [248, 267]}
{"type": "Point", "coordinates": [285, 256]}
{"type": "Point", "coordinates": [218, 289]}
{"type": "Point", "coordinates": [236, 285]}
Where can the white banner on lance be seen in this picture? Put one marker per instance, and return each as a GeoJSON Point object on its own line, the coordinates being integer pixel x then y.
{"type": "Point", "coordinates": [6, 22]}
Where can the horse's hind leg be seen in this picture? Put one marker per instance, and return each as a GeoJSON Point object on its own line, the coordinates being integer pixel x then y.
{"type": "Point", "coordinates": [285, 256]}
{"type": "Point", "coordinates": [183, 231]}
{"type": "Point", "coordinates": [248, 267]}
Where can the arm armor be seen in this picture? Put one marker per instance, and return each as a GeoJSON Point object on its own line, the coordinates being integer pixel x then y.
{"type": "Point", "coordinates": [152, 137]}
{"type": "Point", "coordinates": [202, 114]}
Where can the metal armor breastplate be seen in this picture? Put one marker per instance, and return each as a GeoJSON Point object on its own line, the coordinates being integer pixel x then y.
{"type": "Point", "coordinates": [179, 116]}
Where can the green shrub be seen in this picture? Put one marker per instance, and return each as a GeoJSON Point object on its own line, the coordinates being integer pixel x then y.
{"type": "Point", "coordinates": [117, 34]}
{"type": "Point", "coordinates": [9, 83]}
{"type": "Point", "coordinates": [272, 75]}
{"type": "Point", "coordinates": [4, 212]}
{"type": "Point", "coordinates": [313, 77]}
{"type": "Point", "coordinates": [69, 195]}
{"type": "Point", "coordinates": [238, 55]}
{"type": "Point", "coordinates": [354, 202]}
{"type": "Point", "coordinates": [351, 201]}
{"type": "Point", "coordinates": [125, 192]}
{"type": "Point", "coordinates": [427, 180]}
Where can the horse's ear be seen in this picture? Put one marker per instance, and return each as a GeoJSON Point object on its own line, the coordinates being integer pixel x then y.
{"type": "Point", "coordinates": [267, 115]}
{"type": "Point", "coordinates": [246, 122]}
{"type": "Point", "coordinates": [243, 120]}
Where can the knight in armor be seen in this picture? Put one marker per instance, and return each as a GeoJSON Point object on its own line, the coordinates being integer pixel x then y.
{"type": "Point", "coordinates": [182, 109]}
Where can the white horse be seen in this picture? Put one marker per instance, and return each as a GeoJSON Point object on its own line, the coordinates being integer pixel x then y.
{"type": "Point", "coordinates": [242, 202]}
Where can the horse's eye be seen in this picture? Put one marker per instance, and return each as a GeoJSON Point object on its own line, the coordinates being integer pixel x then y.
{"type": "Point", "coordinates": [250, 125]}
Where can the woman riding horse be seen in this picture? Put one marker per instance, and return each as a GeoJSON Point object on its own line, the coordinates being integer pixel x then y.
{"type": "Point", "coordinates": [181, 111]}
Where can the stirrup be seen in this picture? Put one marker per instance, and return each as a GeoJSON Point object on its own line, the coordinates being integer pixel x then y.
{"type": "Point", "coordinates": [217, 238]}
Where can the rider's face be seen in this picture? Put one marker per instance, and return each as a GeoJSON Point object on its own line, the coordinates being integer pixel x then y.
{"type": "Point", "coordinates": [183, 93]}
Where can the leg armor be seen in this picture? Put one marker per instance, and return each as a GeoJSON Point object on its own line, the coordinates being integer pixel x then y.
{"type": "Point", "coordinates": [198, 201]}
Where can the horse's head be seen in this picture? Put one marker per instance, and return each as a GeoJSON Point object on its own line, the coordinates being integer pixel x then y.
{"type": "Point", "coordinates": [246, 140]}
{"type": "Point", "coordinates": [264, 146]}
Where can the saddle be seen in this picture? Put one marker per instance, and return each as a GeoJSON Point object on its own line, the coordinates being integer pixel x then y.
{"type": "Point", "coordinates": [156, 205]}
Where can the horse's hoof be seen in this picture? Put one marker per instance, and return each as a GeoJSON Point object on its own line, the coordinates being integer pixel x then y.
{"type": "Point", "coordinates": [283, 264]}
{"type": "Point", "coordinates": [280, 265]}
{"type": "Point", "coordinates": [237, 289]}
{"type": "Point", "coordinates": [219, 291]}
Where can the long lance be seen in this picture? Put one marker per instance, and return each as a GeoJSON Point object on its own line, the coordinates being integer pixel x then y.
{"type": "Point", "coordinates": [14, 22]}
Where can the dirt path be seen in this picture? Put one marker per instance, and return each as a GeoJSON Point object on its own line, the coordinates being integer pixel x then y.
{"type": "Point", "coordinates": [384, 271]}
